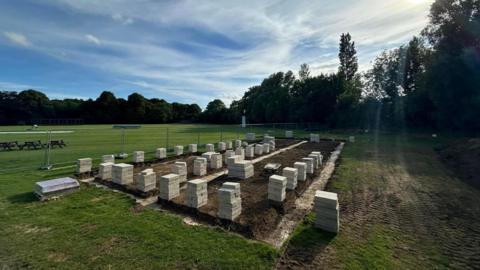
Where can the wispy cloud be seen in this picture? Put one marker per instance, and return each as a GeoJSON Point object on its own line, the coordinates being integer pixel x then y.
{"type": "Point", "coordinates": [17, 38]}
{"type": "Point", "coordinates": [92, 39]}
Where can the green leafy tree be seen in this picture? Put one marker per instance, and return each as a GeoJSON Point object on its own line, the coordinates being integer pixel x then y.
{"type": "Point", "coordinates": [348, 58]}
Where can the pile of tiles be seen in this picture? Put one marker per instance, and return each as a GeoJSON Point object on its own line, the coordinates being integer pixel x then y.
{"type": "Point", "coordinates": [239, 168]}
{"type": "Point", "coordinates": [161, 153]}
{"type": "Point", "coordinates": [222, 146]}
{"type": "Point", "coordinates": [200, 166]}
{"type": "Point", "coordinates": [108, 158]}
{"type": "Point", "coordinates": [288, 134]}
{"type": "Point", "coordinates": [249, 151]}
{"type": "Point", "coordinates": [314, 138]}
{"type": "Point", "coordinates": [138, 157]}
{"type": "Point", "coordinates": [266, 148]}
{"type": "Point", "coordinates": [216, 161]}
{"type": "Point", "coordinates": [209, 147]}
{"type": "Point", "coordinates": [258, 149]}
{"type": "Point", "coordinates": [122, 173]}
{"type": "Point", "coordinates": [229, 153]}
{"type": "Point", "coordinates": [238, 143]}
{"type": "Point", "coordinates": [277, 188]}
{"type": "Point", "coordinates": [310, 164]}
{"type": "Point", "coordinates": [146, 180]}
{"type": "Point", "coordinates": [180, 168]}
{"type": "Point", "coordinates": [302, 170]}
{"type": "Point", "coordinates": [55, 187]}
{"type": "Point", "coordinates": [105, 170]}
{"type": "Point", "coordinates": [179, 150]}
{"type": "Point", "coordinates": [229, 201]}
{"type": "Point", "coordinates": [169, 186]}
{"type": "Point", "coordinates": [229, 145]}
{"type": "Point", "coordinates": [84, 165]}
{"type": "Point", "coordinates": [292, 177]}
{"type": "Point", "coordinates": [250, 136]}
{"type": "Point", "coordinates": [240, 152]}
{"type": "Point", "coordinates": [269, 140]}
{"type": "Point", "coordinates": [192, 148]}
{"type": "Point", "coordinates": [197, 194]}
{"type": "Point", "coordinates": [327, 211]}
{"type": "Point", "coordinates": [319, 157]}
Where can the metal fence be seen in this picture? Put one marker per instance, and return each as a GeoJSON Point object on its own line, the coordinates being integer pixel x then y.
{"type": "Point", "coordinates": [96, 140]}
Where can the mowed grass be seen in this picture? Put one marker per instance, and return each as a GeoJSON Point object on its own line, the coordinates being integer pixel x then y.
{"type": "Point", "coordinates": [101, 229]}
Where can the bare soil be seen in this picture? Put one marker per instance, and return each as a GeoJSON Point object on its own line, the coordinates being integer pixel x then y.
{"type": "Point", "coordinates": [259, 217]}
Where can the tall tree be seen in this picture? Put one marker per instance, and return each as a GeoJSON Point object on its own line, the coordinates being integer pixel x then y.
{"type": "Point", "coordinates": [348, 57]}
{"type": "Point", "coordinates": [304, 72]}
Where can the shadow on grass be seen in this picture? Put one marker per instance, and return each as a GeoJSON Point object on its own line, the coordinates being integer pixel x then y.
{"type": "Point", "coordinates": [22, 198]}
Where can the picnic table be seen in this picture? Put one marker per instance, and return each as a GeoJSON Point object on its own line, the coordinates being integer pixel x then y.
{"type": "Point", "coordinates": [8, 145]}
{"type": "Point", "coordinates": [32, 144]}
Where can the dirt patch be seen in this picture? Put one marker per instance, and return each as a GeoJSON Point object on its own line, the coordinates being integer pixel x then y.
{"type": "Point", "coordinates": [259, 217]}
{"type": "Point", "coordinates": [463, 158]}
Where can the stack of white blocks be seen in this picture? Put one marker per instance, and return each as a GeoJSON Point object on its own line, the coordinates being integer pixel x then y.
{"type": "Point", "coordinates": [232, 159]}
{"type": "Point", "coordinates": [240, 152]}
{"type": "Point", "coordinates": [266, 148]}
{"type": "Point", "coordinates": [146, 180]}
{"type": "Point", "coordinates": [216, 161]}
{"type": "Point", "coordinates": [179, 150]}
{"type": "Point", "coordinates": [138, 156]}
{"type": "Point", "coordinates": [229, 201]}
{"type": "Point", "coordinates": [229, 145]}
{"type": "Point", "coordinates": [302, 170]}
{"type": "Point", "coordinates": [316, 160]}
{"type": "Point", "coordinates": [84, 165]}
{"type": "Point", "coordinates": [249, 151]}
{"type": "Point", "coordinates": [250, 136]}
{"type": "Point", "coordinates": [169, 186]}
{"type": "Point", "coordinates": [239, 169]}
{"type": "Point", "coordinates": [320, 157]}
{"type": "Point", "coordinates": [200, 166]}
{"type": "Point", "coordinates": [108, 158]}
{"type": "Point", "coordinates": [161, 153]}
{"type": "Point", "coordinates": [209, 147]}
{"type": "Point", "coordinates": [180, 168]}
{"type": "Point", "coordinates": [222, 146]}
{"type": "Point", "coordinates": [258, 149]}
{"type": "Point", "coordinates": [269, 140]}
{"type": "Point", "coordinates": [105, 170]}
{"type": "Point", "coordinates": [288, 134]}
{"type": "Point", "coordinates": [310, 165]}
{"type": "Point", "coordinates": [277, 188]}
{"type": "Point", "coordinates": [292, 176]}
{"type": "Point", "coordinates": [238, 143]}
{"type": "Point", "coordinates": [122, 173]}
{"type": "Point", "coordinates": [197, 193]}
{"type": "Point", "coordinates": [192, 148]}
{"type": "Point", "coordinates": [229, 153]}
{"type": "Point", "coordinates": [314, 138]}
{"type": "Point", "coordinates": [327, 211]}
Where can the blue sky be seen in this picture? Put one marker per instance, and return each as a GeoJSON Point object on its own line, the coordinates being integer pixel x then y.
{"type": "Point", "coordinates": [187, 51]}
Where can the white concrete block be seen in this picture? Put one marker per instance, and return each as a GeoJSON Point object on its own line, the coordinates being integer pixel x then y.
{"type": "Point", "coordinates": [108, 159]}
{"type": "Point", "coordinates": [84, 165]}
{"type": "Point", "coordinates": [209, 147]}
{"type": "Point", "coordinates": [249, 151]}
{"type": "Point", "coordinates": [178, 150]}
{"type": "Point", "coordinates": [216, 161]}
{"type": "Point", "coordinates": [288, 134]}
{"type": "Point", "coordinates": [122, 173]}
{"type": "Point", "coordinates": [222, 146]}
{"type": "Point", "coordinates": [146, 180]}
{"type": "Point", "coordinates": [169, 186]}
{"type": "Point", "coordinates": [138, 156]}
{"type": "Point", "coordinates": [105, 170]}
{"type": "Point", "coordinates": [310, 165]}
{"type": "Point", "coordinates": [192, 148]}
{"type": "Point", "coordinates": [161, 153]}
{"type": "Point", "coordinates": [291, 174]}
{"type": "Point", "coordinates": [302, 170]}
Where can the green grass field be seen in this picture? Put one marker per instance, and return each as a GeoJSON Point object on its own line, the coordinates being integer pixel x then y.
{"type": "Point", "coordinates": [101, 229]}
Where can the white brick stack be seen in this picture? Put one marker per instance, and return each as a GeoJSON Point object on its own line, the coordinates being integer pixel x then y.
{"type": "Point", "coordinates": [216, 161]}
{"type": "Point", "coordinates": [180, 168]}
{"type": "Point", "coordinates": [249, 151]}
{"type": "Point", "coordinates": [310, 165]}
{"type": "Point", "coordinates": [291, 174]}
{"type": "Point", "coordinates": [209, 147]}
{"type": "Point", "coordinates": [232, 159]}
{"type": "Point", "coordinates": [84, 165]}
{"type": "Point", "coordinates": [327, 211]}
{"type": "Point", "coordinates": [200, 166]}
{"type": "Point", "coordinates": [229, 153]}
{"type": "Point", "coordinates": [316, 160]}
{"type": "Point", "coordinates": [197, 193]}
{"type": "Point", "coordinates": [351, 139]}
{"type": "Point", "coordinates": [138, 156]}
{"type": "Point", "coordinates": [161, 153]}
{"type": "Point", "coordinates": [250, 136]}
{"type": "Point", "coordinates": [238, 143]}
{"type": "Point", "coordinates": [179, 150]}
{"type": "Point", "coordinates": [229, 145]}
{"type": "Point", "coordinates": [258, 149]}
{"type": "Point", "coordinates": [276, 188]}
{"type": "Point", "coordinates": [288, 134]}
{"type": "Point", "coordinates": [266, 148]}
{"type": "Point", "coordinates": [222, 146]}
{"type": "Point", "coordinates": [302, 170]}
{"type": "Point", "coordinates": [240, 169]}
{"type": "Point", "coordinates": [192, 148]}
{"type": "Point", "coordinates": [122, 173]}
{"type": "Point", "coordinates": [240, 152]}
{"type": "Point", "coordinates": [229, 201]}
{"type": "Point", "coordinates": [319, 156]}
{"type": "Point", "coordinates": [269, 140]}
{"type": "Point", "coordinates": [108, 159]}
{"type": "Point", "coordinates": [314, 138]}
{"type": "Point", "coordinates": [105, 170]}
{"type": "Point", "coordinates": [169, 186]}
{"type": "Point", "coordinates": [146, 180]}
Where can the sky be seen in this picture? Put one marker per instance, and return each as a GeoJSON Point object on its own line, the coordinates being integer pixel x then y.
{"type": "Point", "coordinates": [188, 51]}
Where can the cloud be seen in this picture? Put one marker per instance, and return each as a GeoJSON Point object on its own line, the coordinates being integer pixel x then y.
{"type": "Point", "coordinates": [17, 38]}
{"type": "Point", "coordinates": [93, 39]}
{"type": "Point", "coordinates": [124, 20]}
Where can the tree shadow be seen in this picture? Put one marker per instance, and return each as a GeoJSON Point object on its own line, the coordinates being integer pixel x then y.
{"type": "Point", "coordinates": [22, 198]}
